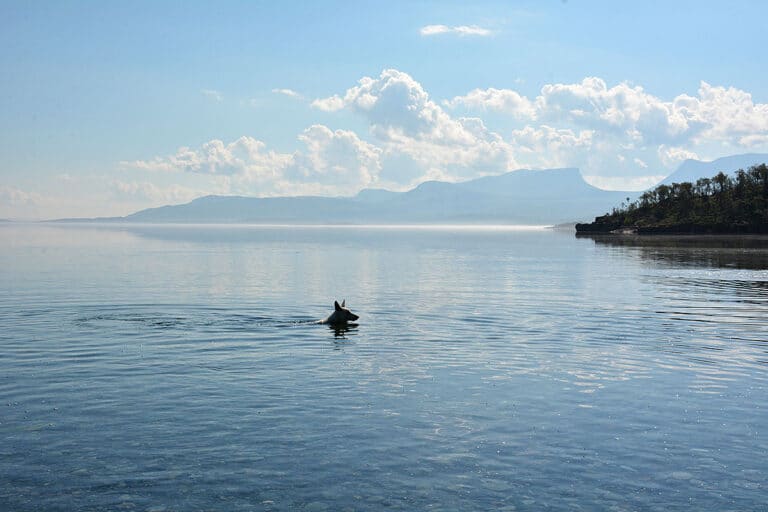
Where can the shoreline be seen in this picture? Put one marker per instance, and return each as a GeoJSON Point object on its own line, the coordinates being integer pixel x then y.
{"type": "Point", "coordinates": [627, 233]}
{"type": "Point", "coordinates": [679, 230]}
{"type": "Point", "coordinates": [630, 234]}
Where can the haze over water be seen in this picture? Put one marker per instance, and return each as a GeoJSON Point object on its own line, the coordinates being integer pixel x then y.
{"type": "Point", "coordinates": [179, 368]}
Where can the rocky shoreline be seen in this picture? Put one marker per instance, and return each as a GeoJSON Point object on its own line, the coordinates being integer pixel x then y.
{"type": "Point", "coordinates": [608, 228]}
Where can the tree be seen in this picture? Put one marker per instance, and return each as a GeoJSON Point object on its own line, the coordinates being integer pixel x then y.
{"type": "Point", "coordinates": [717, 204]}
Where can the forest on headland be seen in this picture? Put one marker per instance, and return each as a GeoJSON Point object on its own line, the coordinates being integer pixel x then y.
{"type": "Point", "coordinates": [722, 204]}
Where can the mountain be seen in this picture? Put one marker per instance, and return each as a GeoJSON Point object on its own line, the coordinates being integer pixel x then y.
{"type": "Point", "coordinates": [692, 170]}
{"type": "Point", "coordinates": [375, 195]}
{"type": "Point", "coordinates": [234, 209]}
{"type": "Point", "coordinates": [525, 196]}
{"type": "Point", "coordinates": [519, 197]}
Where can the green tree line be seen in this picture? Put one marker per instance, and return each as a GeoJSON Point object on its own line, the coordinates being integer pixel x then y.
{"type": "Point", "coordinates": [721, 204]}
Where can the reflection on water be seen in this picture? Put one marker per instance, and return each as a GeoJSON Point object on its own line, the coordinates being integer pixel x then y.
{"type": "Point", "coordinates": [343, 331]}
{"type": "Point", "coordinates": [162, 368]}
{"type": "Point", "coordinates": [747, 251]}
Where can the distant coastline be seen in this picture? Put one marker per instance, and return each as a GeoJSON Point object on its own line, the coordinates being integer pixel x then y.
{"type": "Point", "coordinates": [522, 197]}
{"type": "Point", "coordinates": [458, 226]}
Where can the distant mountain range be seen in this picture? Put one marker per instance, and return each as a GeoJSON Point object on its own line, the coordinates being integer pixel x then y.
{"type": "Point", "coordinates": [522, 197]}
{"type": "Point", "coordinates": [518, 197]}
{"type": "Point", "coordinates": [692, 170]}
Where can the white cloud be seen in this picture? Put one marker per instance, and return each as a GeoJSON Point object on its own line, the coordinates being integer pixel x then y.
{"type": "Point", "coordinates": [461, 30]}
{"type": "Point", "coordinates": [727, 112]}
{"type": "Point", "coordinates": [632, 130]}
{"type": "Point", "coordinates": [407, 126]}
{"type": "Point", "coordinates": [504, 100]}
{"type": "Point", "coordinates": [590, 104]}
{"type": "Point", "coordinates": [246, 158]}
{"type": "Point", "coordinates": [406, 121]}
{"type": "Point", "coordinates": [620, 136]}
{"type": "Point", "coordinates": [334, 162]}
{"type": "Point", "coordinates": [331, 163]}
{"type": "Point", "coordinates": [213, 95]}
{"type": "Point", "coordinates": [671, 156]}
{"type": "Point", "coordinates": [17, 197]}
{"type": "Point", "coordinates": [287, 92]}
{"type": "Point", "coordinates": [621, 109]}
{"type": "Point", "coordinates": [754, 141]}
{"type": "Point", "coordinates": [716, 114]}
{"type": "Point", "coordinates": [549, 147]}
{"type": "Point", "coordinates": [331, 104]}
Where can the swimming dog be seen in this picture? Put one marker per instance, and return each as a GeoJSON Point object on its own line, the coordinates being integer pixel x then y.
{"type": "Point", "coordinates": [341, 315]}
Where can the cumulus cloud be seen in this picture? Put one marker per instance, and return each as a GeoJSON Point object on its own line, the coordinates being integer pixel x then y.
{"type": "Point", "coordinates": [631, 129]}
{"type": "Point", "coordinates": [412, 139]}
{"type": "Point", "coordinates": [590, 104]}
{"type": "Point", "coordinates": [287, 92]}
{"type": "Point", "coordinates": [716, 114]}
{"type": "Point", "coordinates": [549, 147]}
{"type": "Point", "coordinates": [726, 112]}
{"type": "Point", "coordinates": [405, 120]}
{"type": "Point", "coordinates": [620, 136]}
{"type": "Point", "coordinates": [246, 157]}
{"type": "Point", "coordinates": [330, 104]}
{"type": "Point", "coordinates": [331, 162]}
{"type": "Point", "coordinates": [460, 30]}
{"type": "Point", "coordinates": [504, 100]}
{"type": "Point", "coordinates": [671, 156]}
{"type": "Point", "coordinates": [754, 140]}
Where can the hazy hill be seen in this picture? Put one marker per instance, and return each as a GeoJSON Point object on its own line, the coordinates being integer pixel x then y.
{"type": "Point", "coordinates": [692, 170]}
{"type": "Point", "coordinates": [234, 209]}
{"type": "Point", "coordinates": [375, 195]}
{"type": "Point", "coordinates": [538, 197]}
{"type": "Point", "coordinates": [525, 196]}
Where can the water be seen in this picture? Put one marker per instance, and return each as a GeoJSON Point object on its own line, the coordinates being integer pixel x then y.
{"type": "Point", "coordinates": [178, 368]}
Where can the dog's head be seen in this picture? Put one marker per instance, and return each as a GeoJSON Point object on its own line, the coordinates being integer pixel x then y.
{"type": "Point", "coordinates": [342, 314]}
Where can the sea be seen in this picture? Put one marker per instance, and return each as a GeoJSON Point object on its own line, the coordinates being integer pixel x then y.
{"type": "Point", "coordinates": [181, 368]}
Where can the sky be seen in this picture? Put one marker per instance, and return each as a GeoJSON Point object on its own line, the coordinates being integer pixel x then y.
{"type": "Point", "coordinates": [112, 107]}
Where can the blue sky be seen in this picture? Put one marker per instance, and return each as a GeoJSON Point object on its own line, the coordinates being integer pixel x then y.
{"type": "Point", "coordinates": [112, 107]}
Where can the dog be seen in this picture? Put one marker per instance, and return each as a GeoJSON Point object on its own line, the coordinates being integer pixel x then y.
{"type": "Point", "coordinates": [341, 315]}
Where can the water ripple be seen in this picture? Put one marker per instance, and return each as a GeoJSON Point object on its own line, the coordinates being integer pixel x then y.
{"type": "Point", "coordinates": [489, 371]}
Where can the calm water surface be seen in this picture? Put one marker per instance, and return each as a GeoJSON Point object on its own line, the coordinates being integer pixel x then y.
{"type": "Point", "coordinates": [178, 368]}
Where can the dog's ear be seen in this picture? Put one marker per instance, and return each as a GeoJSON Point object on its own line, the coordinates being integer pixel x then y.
{"type": "Point", "coordinates": [336, 306]}
{"type": "Point", "coordinates": [344, 303]}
